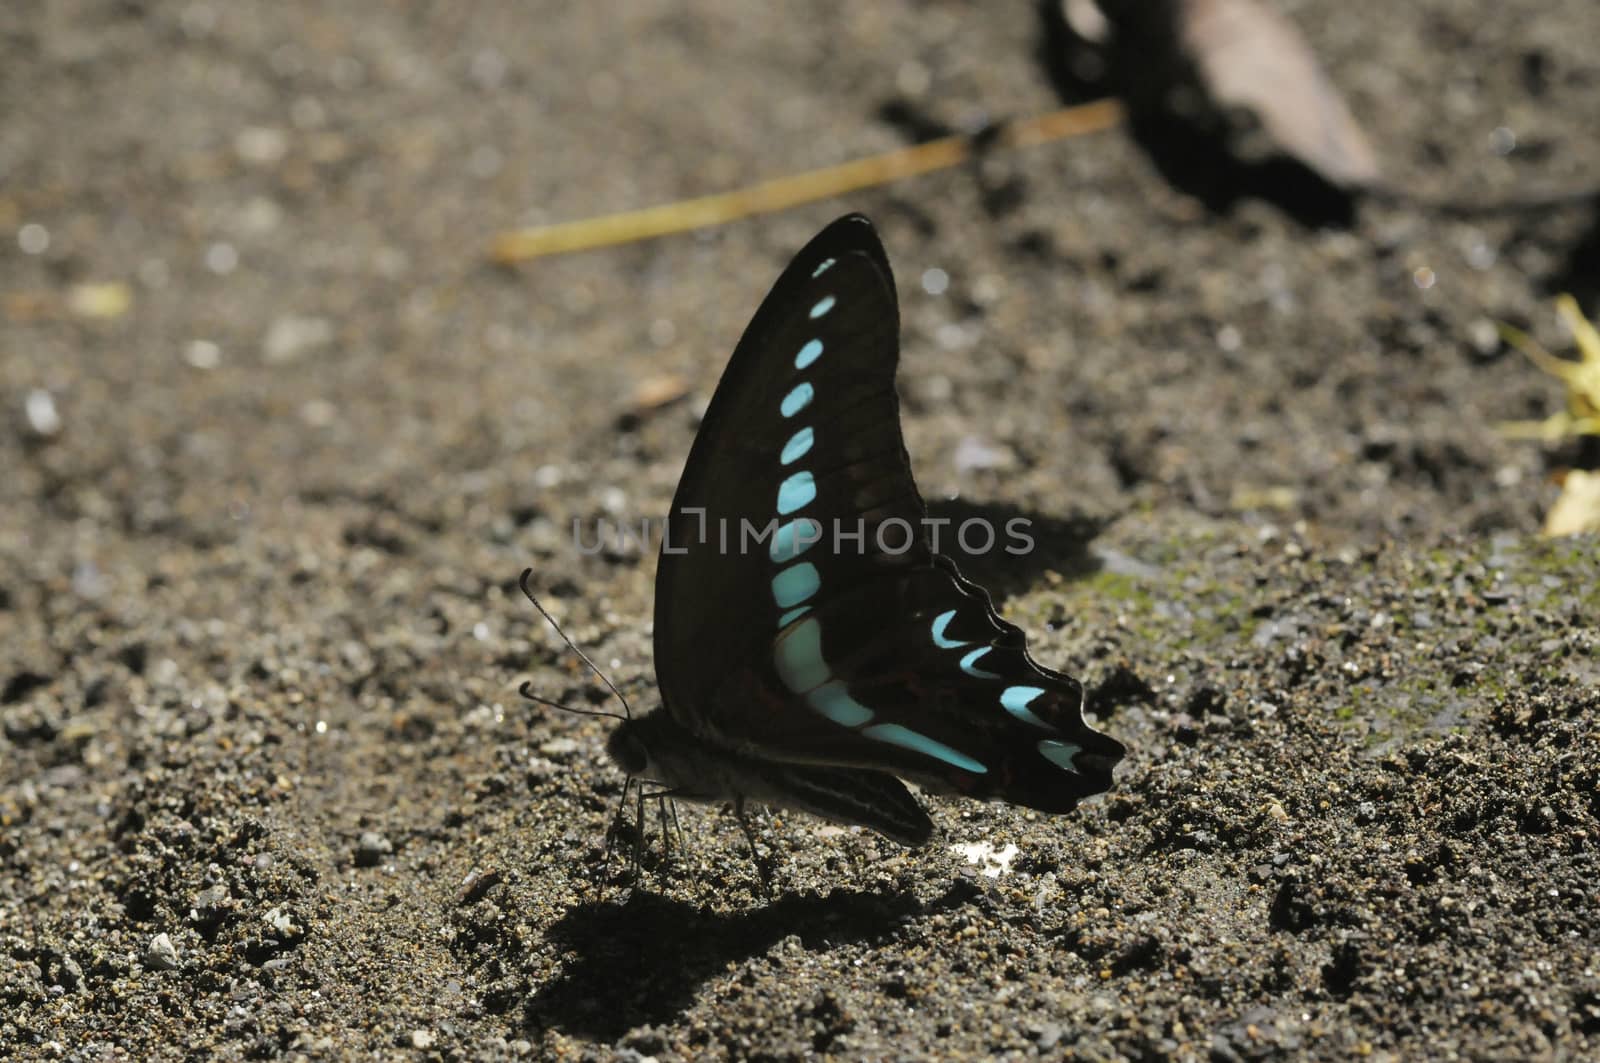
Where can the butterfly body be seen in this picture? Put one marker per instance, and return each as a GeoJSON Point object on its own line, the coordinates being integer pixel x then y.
{"type": "Point", "coordinates": [812, 650]}
{"type": "Point", "coordinates": [656, 748]}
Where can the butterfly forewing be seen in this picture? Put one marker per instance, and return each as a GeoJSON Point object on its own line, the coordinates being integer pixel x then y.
{"type": "Point", "coordinates": [804, 425]}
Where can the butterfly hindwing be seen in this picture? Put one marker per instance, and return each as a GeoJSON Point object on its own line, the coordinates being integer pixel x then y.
{"type": "Point", "coordinates": [915, 674]}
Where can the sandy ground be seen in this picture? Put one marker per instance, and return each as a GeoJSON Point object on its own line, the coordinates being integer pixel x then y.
{"type": "Point", "coordinates": [267, 790]}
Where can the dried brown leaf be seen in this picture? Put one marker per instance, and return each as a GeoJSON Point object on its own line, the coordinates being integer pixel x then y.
{"type": "Point", "coordinates": [1249, 56]}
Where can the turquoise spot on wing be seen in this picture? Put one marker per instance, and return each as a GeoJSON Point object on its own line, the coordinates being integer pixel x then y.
{"type": "Point", "coordinates": [797, 400]}
{"type": "Point", "coordinates": [823, 306]}
{"type": "Point", "coordinates": [808, 354]}
{"type": "Point", "coordinates": [787, 618]}
{"type": "Point", "coordinates": [793, 539]}
{"type": "Point", "coordinates": [823, 268]}
{"type": "Point", "coordinates": [799, 446]}
{"type": "Point", "coordinates": [1060, 753]}
{"type": "Point", "coordinates": [795, 584]}
{"type": "Point", "coordinates": [976, 673]}
{"type": "Point", "coordinates": [904, 737]}
{"type": "Point", "coordinates": [1015, 701]}
{"type": "Point", "coordinates": [941, 622]}
{"type": "Point", "coordinates": [797, 492]}
{"type": "Point", "coordinates": [833, 700]}
{"type": "Point", "coordinates": [797, 656]}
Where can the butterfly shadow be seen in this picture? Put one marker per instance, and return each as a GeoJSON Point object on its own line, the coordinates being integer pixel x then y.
{"type": "Point", "coordinates": [1022, 553]}
{"type": "Point", "coordinates": [642, 960]}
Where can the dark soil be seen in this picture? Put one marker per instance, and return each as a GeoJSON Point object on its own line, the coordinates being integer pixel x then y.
{"type": "Point", "coordinates": [267, 788]}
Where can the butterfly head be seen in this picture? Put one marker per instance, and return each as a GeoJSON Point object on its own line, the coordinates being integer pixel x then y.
{"type": "Point", "coordinates": [654, 747]}
{"type": "Point", "coordinates": [627, 749]}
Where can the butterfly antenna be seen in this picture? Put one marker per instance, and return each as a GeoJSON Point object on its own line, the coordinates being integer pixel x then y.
{"type": "Point", "coordinates": [526, 688]}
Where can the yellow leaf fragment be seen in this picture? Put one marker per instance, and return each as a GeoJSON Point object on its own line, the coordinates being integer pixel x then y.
{"type": "Point", "coordinates": [1582, 377]}
{"type": "Point", "coordinates": [1578, 509]}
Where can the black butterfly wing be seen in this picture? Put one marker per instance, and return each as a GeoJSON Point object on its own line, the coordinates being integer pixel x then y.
{"type": "Point", "coordinates": [805, 406]}
{"type": "Point", "coordinates": [842, 639]}
{"type": "Point", "coordinates": [944, 694]}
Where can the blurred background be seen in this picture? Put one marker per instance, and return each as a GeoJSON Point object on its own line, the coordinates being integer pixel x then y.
{"type": "Point", "coordinates": [248, 266]}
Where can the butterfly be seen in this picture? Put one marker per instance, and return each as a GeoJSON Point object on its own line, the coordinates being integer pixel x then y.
{"type": "Point", "coordinates": [812, 650]}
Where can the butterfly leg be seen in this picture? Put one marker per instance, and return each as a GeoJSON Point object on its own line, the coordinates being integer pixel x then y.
{"type": "Point", "coordinates": [665, 807]}
{"type": "Point", "coordinates": [664, 802]}
{"type": "Point", "coordinates": [615, 828]}
{"type": "Point", "coordinates": [661, 799]}
{"type": "Point", "coordinates": [682, 845]}
{"type": "Point", "coordinates": [750, 839]}
{"type": "Point", "coordinates": [643, 838]}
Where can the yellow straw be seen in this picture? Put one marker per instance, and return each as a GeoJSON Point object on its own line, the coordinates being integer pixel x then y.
{"type": "Point", "coordinates": [784, 192]}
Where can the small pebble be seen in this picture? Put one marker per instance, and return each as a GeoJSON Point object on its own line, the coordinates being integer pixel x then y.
{"type": "Point", "coordinates": [261, 145]}
{"type": "Point", "coordinates": [282, 923]}
{"type": "Point", "coordinates": [289, 337]}
{"type": "Point", "coordinates": [559, 747]}
{"type": "Point", "coordinates": [371, 849]}
{"type": "Point", "coordinates": [68, 973]}
{"type": "Point", "coordinates": [40, 408]}
{"type": "Point", "coordinates": [160, 955]}
{"type": "Point", "coordinates": [974, 453]}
